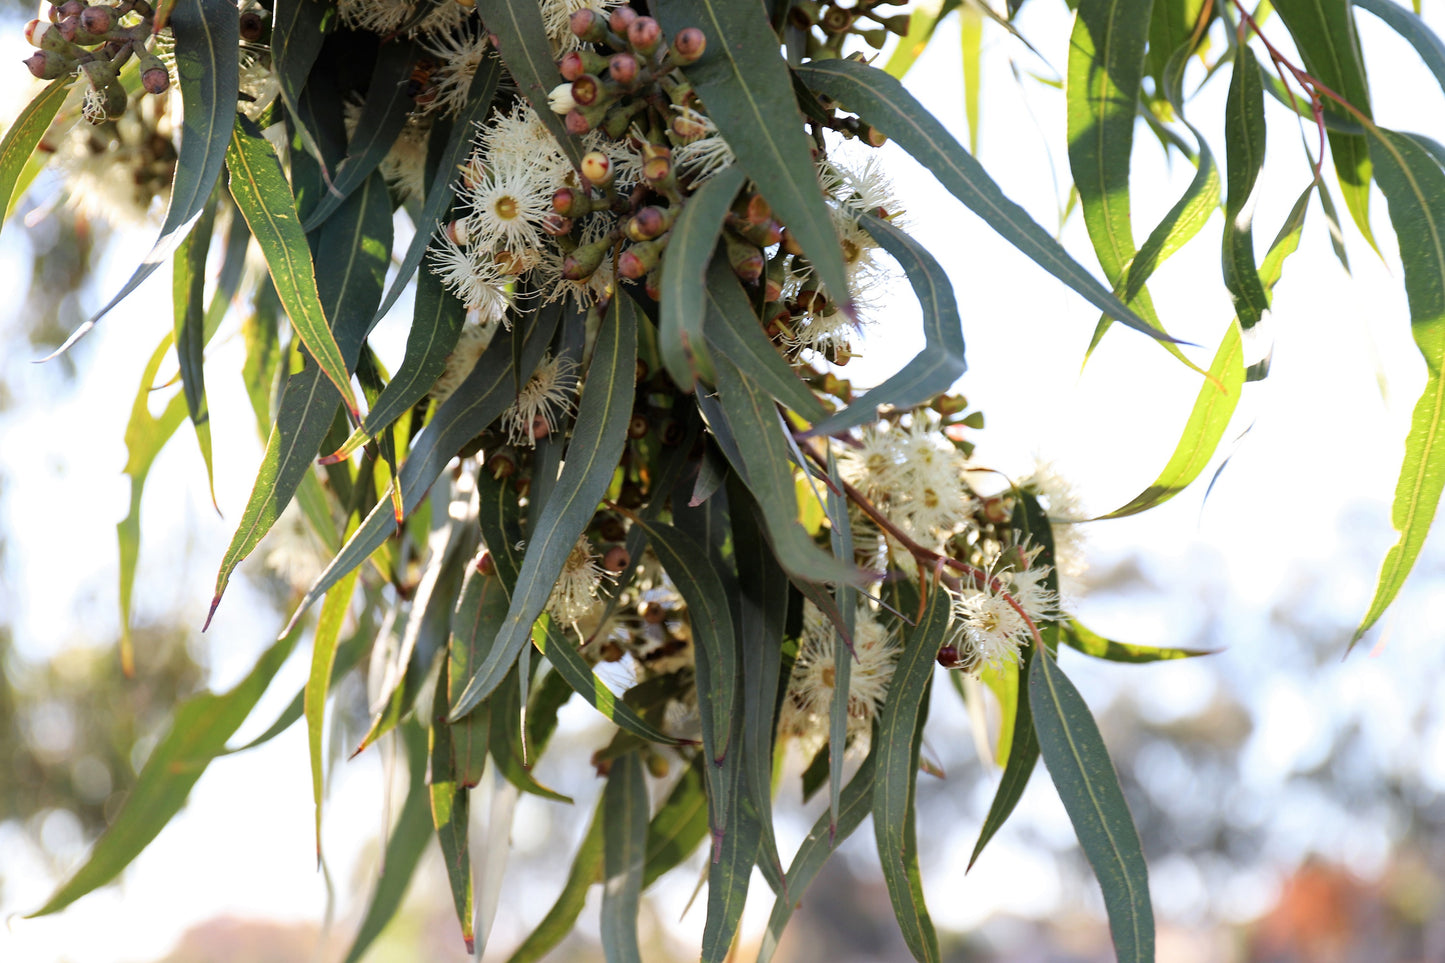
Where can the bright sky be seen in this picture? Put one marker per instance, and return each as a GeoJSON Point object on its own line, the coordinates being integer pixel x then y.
{"type": "Point", "coordinates": [1324, 440]}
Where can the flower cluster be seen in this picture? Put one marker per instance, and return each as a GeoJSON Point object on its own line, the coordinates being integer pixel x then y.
{"type": "Point", "coordinates": [97, 40]}
{"type": "Point", "coordinates": [812, 685]}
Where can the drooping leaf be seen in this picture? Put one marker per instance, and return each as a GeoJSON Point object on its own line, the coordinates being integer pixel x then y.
{"type": "Point", "coordinates": [481, 605]}
{"type": "Point", "coordinates": [1208, 419]}
{"type": "Point", "coordinates": [188, 289]}
{"type": "Point", "coordinates": [1414, 187]}
{"type": "Point", "coordinates": [940, 362]}
{"type": "Point", "coordinates": [881, 101]}
{"type": "Point", "coordinates": [970, 36]}
{"type": "Point", "coordinates": [761, 457]}
{"type": "Point", "coordinates": [207, 53]}
{"type": "Point", "coordinates": [733, 329]}
{"type": "Point", "coordinates": [353, 251]}
{"type": "Point", "coordinates": [562, 917]}
{"type": "Point", "coordinates": [262, 194]}
{"type": "Point", "coordinates": [1023, 753]}
{"type": "Point", "coordinates": [505, 733]}
{"type": "Point", "coordinates": [1244, 139]}
{"type": "Point", "coordinates": [749, 96]}
{"type": "Point", "coordinates": [1076, 635]}
{"type": "Point", "coordinates": [298, 29]}
{"type": "Point", "coordinates": [684, 271]}
{"type": "Point", "coordinates": [323, 656]}
{"type": "Point", "coordinates": [24, 134]}
{"type": "Point", "coordinates": [854, 805]}
{"type": "Point", "coordinates": [1409, 25]}
{"type": "Point", "coordinates": [145, 436]}
{"type": "Point", "coordinates": [528, 54]}
{"type": "Point", "coordinates": [197, 734]}
{"type": "Point", "coordinates": [596, 446]}
{"type": "Point", "coordinates": [450, 811]}
{"type": "Point", "coordinates": [840, 530]}
{"type": "Point", "coordinates": [896, 747]}
{"type": "Point", "coordinates": [404, 847]}
{"type": "Point", "coordinates": [731, 868]}
{"type": "Point", "coordinates": [383, 115]}
{"type": "Point", "coordinates": [624, 849]}
{"type": "Point", "coordinates": [1324, 32]}
{"type": "Point", "coordinates": [1081, 770]}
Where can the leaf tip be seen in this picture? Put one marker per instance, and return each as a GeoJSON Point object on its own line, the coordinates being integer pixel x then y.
{"type": "Point", "coordinates": [216, 601]}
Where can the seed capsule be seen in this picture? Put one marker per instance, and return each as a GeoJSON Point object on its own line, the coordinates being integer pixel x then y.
{"type": "Point", "coordinates": [97, 19]}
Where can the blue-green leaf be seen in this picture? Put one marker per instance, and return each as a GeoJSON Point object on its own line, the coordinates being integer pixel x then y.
{"type": "Point", "coordinates": [1244, 140]}
{"type": "Point", "coordinates": [1076, 635]}
{"type": "Point", "coordinates": [524, 46]}
{"type": "Point", "coordinates": [24, 134]}
{"type": "Point", "coordinates": [624, 848]}
{"type": "Point", "coordinates": [684, 269]}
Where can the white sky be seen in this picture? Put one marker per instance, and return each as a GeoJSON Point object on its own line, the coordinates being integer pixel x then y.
{"type": "Point", "coordinates": [1324, 440]}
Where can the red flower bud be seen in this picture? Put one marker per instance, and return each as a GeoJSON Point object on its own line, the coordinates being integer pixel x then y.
{"type": "Point", "coordinates": [643, 35]}
{"type": "Point", "coordinates": [621, 19]}
{"type": "Point", "coordinates": [253, 26]}
{"type": "Point", "coordinates": [616, 560]}
{"type": "Point", "coordinates": [576, 123]}
{"type": "Point", "coordinates": [571, 65]}
{"type": "Point", "coordinates": [97, 19]}
{"type": "Point", "coordinates": [688, 45]}
{"type": "Point", "coordinates": [622, 68]}
{"type": "Point", "coordinates": [588, 25]}
{"type": "Point", "coordinates": [155, 80]}
{"type": "Point", "coordinates": [45, 64]}
{"type": "Point", "coordinates": [597, 167]}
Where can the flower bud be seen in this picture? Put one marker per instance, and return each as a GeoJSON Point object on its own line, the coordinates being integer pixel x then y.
{"type": "Point", "coordinates": [657, 765]}
{"type": "Point", "coordinates": [656, 164]}
{"type": "Point", "coordinates": [764, 234]}
{"type": "Point", "coordinates": [644, 35]}
{"type": "Point", "coordinates": [586, 89]}
{"type": "Point", "coordinates": [622, 68]}
{"type": "Point", "coordinates": [456, 231]}
{"type": "Point", "coordinates": [503, 463]}
{"type": "Point", "coordinates": [571, 203]}
{"type": "Point", "coordinates": [560, 99]}
{"type": "Point", "coordinates": [637, 260]}
{"type": "Point", "coordinates": [637, 427]}
{"type": "Point", "coordinates": [898, 24]}
{"type": "Point", "coordinates": [156, 80]}
{"type": "Point", "coordinates": [580, 119]}
{"type": "Point", "coordinates": [621, 19]}
{"type": "Point", "coordinates": [578, 62]}
{"type": "Point", "coordinates": [540, 429]}
{"type": "Point", "coordinates": [485, 564]}
{"type": "Point", "coordinates": [649, 222]}
{"type": "Point", "coordinates": [70, 8]}
{"type": "Point", "coordinates": [616, 559]}
{"type": "Point", "coordinates": [688, 45]}
{"type": "Point", "coordinates": [253, 26]}
{"type": "Point", "coordinates": [97, 19]}
{"type": "Point", "coordinates": [588, 26]}
{"type": "Point", "coordinates": [582, 263]}
{"type": "Point", "coordinates": [99, 73]}
{"type": "Point", "coordinates": [874, 38]}
{"type": "Point", "coordinates": [610, 528]}
{"type": "Point", "coordinates": [597, 168]}
{"type": "Point", "coordinates": [45, 64]}
{"type": "Point", "coordinates": [556, 225]}
{"type": "Point", "coordinates": [35, 32]}
{"type": "Point", "coordinates": [836, 20]}
{"type": "Point", "coordinates": [791, 245]}
{"type": "Point", "coordinates": [746, 260]}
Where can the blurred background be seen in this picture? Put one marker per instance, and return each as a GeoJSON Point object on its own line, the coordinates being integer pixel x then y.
{"type": "Point", "coordinates": [1289, 797]}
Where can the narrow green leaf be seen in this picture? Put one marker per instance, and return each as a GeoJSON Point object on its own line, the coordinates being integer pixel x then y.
{"type": "Point", "coordinates": [528, 54]}
{"type": "Point", "coordinates": [145, 436]}
{"type": "Point", "coordinates": [1409, 25]}
{"type": "Point", "coordinates": [383, 115]}
{"type": "Point", "coordinates": [353, 253]}
{"type": "Point", "coordinates": [1210, 415]}
{"type": "Point", "coordinates": [481, 605]}
{"type": "Point", "coordinates": [1089, 788]}
{"type": "Point", "coordinates": [298, 29]}
{"type": "Point", "coordinates": [505, 733]}
{"type": "Point", "coordinates": [970, 36]}
{"type": "Point", "coordinates": [207, 40]}
{"type": "Point", "coordinates": [731, 868]}
{"type": "Point", "coordinates": [624, 848]}
{"type": "Point", "coordinates": [596, 446]}
{"type": "Point", "coordinates": [941, 361]}
{"type": "Point", "coordinates": [896, 746]}
{"type": "Point", "coordinates": [1023, 753]}
{"type": "Point", "coordinates": [562, 917]}
{"type": "Point", "coordinates": [1324, 33]}
{"type": "Point", "coordinates": [749, 96]}
{"type": "Point", "coordinates": [1414, 187]}
{"type": "Point", "coordinates": [436, 325]}
{"type": "Point", "coordinates": [477, 402]}
{"type": "Point", "coordinates": [318, 684]}
{"type": "Point", "coordinates": [854, 805]}
{"type": "Point", "coordinates": [882, 102]}
{"type": "Point", "coordinates": [761, 457]}
{"type": "Point", "coordinates": [1078, 636]}
{"type": "Point", "coordinates": [678, 826]}
{"type": "Point", "coordinates": [1171, 26]}
{"type": "Point", "coordinates": [24, 134]}
{"type": "Point", "coordinates": [1244, 139]}
{"type": "Point", "coordinates": [733, 329]}
{"type": "Point", "coordinates": [188, 290]}
{"type": "Point", "coordinates": [450, 811]}
{"type": "Point", "coordinates": [440, 191]}
{"type": "Point", "coordinates": [684, 270]}
{"type": "Point", "coordinates": [197, 734]}
{"type": "Point", "coordinates": [408, 839]}
{"type": "Point", "coordinates": [264, 197]}
{"type": "Point", "coordinates": [921, 25]}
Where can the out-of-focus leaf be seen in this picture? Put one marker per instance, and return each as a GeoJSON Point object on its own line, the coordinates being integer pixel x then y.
{"type": "Point", "coordinates": [749, 97]}
{"type": "Point", "coordinates": [1172, 24]}
{"type": "Point", "coordinates": [353, 251]}
{"type": "Point", "coordinates": [882, 102]}
{"type": "Point", "coordinates": [1023, 753]}
{"type": "Point", "coordinates": [1076, 635]}
{"type": "Point", "coordinates": [896, 746]}
{"type": "Point", "coordinates": [1207, 421]}
{"type": "Point", "coordinates": [1325, 36]}
{"type": "Point", "coordinates": [1414, 187]}
{"type": "Point", "coordinates": [840, 530]}
{"type": "Point", "coordinates": [761, 457]}
{"type": "Point", "coordinates": [921, 25]}
{"type": "Point", "coordinates": [528, 54]}
{"type": "Point", "coordinates": [679, 824]}
{"type": "Point", "coordinates": [318, 683]}
{"type": "Point", "coordinates": [1409, 25]}
{"type": "Point", "coordinates": [1089, 788]}
{"type": "Point", "coordinates": [449, 810]}
{"type": "Point", "coordinates": [440, 191]}
{"type": "Point", "coordinates": [940, 363]}
{"type": "Point", "coordinates": [562, 917]}
{"type": "Point", "coordinates": [734, 853]}
{"type": "Point", "coordinates": [207, 51]}
{"type": "Point", "coordinates": [970, 36]}
{"type": "Point", "coordinates": [408, 839]}
{"type": "Point", "coordinates": [477, 402]}
{"type": "Point", "coordinates": [145, 436]}
{"type": "Point", "coordinates": [853, 806]}
{"type": "Point", "coordinates": [684, 291]}
{"type": "Point", "coordinates": [733, 329]}
{"type": "Point", "coordinates": [262, 194]}
{"type": "Point", "coordinates": [481, 605]}
{"type": "Point", "coordinates": [198, 734]}
{"type": "Point", "coordinates": [505, 733]}
{"type": "Point", "coordinates": [1244, 139]}
{"type": "Point", "coordinates": [188, 290]}
{"type": "Point", "coordinates": [383, 115]}
{"type": "Point", "coordinates": [596, 446]}
{"type": "Point", "coordinates": [624, 849]}
{"type": "Point", "coordinates": [24, 135]}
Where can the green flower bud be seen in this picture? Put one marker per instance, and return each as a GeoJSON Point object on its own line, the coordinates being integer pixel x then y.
{"type": "Point", "coordinates": [635, 262]}
{"type": "Point", "coordinates": [46, 64]}
{"type": "Point", "coordinates": [688, 46]}
{"type": "Point", "coordinates": [650, 222]}
{"type": "Point", "coordinates": [644, 35]}
{"type": "Point", "coordinates": [582, 263]}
